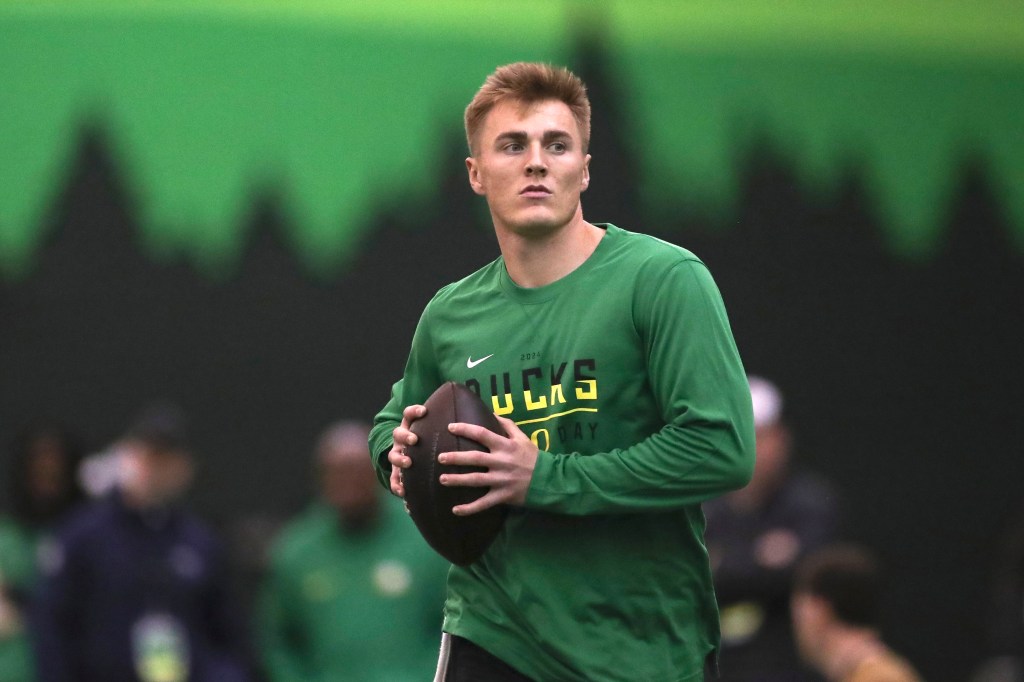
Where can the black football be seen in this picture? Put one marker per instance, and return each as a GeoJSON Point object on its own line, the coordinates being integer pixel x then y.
{"type": "Point", "coordinates": [460, 539]}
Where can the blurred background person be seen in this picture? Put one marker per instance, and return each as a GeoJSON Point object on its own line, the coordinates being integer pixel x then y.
{"type": "Point", "coordinates": [835, 601]}
{"type": "Point", "coordinates": [351, 578]}
{"type": "Point", "coordinates": [1006, 607]}
{"type": "Point", "coordinates": [133, 586]}
{"type": "Point", "coordinates": [755, 536]}
{"type": "Point", "coordinates": [43, 487]}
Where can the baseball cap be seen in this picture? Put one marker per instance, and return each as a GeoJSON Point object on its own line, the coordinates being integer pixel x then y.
{"type": "Point", "coordinates": [161, 426]}
{"type": "Point", "coordinates": [767, 400]}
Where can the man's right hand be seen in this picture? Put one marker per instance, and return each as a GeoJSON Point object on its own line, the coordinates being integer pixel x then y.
{"type": "Point", "coordinates": [401, 437]}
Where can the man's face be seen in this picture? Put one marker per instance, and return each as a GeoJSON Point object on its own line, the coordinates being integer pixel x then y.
{"type": "Point", "coordinates": [155, 476]}
{"type": "Point", "coordinates": [529, 164]}
{"type": "Point", "coordinates": [348, 483]}
{"type": "Point", "coordinates": [47, 472]}
{"type": "Point", "coordinates": [772, 444]}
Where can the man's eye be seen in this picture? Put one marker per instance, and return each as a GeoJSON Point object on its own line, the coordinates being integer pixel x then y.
{"type": "Point", "coordinates": [557, 147]}
{"type": "Point", "coordinates": [513, 147]}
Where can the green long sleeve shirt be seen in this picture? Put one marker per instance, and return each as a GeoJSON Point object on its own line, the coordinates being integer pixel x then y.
{"type": "Point", "coordinates": [626, 376]}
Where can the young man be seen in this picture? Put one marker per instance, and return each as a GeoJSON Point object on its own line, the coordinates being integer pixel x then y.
{"type": "Point", "coordinates": [834, 604]}
{"type": "Point", "coordinates": [608, 358]}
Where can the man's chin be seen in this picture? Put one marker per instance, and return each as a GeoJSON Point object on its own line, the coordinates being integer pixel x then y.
{"type": "Point", "coordinates": [536, 227]}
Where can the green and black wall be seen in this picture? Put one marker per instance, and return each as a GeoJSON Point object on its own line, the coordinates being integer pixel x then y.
{"type": "Point", "coordinates": [244, 207]}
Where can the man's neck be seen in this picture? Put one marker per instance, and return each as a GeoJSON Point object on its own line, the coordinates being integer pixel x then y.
{"type": "Point", "coordinates": [133, 499]}
{"type": "Point", "coordinates": [538, 261]}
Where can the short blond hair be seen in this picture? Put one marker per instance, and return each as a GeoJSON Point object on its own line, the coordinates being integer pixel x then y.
{"type": "Point", "coordinates": [528, 83]}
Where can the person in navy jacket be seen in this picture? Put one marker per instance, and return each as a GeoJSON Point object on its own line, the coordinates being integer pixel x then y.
{"type": "Point", "coordinates": [134, 587]}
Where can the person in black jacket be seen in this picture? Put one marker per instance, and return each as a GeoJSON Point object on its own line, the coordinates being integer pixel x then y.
{"type": "Point", "coordinates": [134, 587]}
{"type": "Point", "coordinates": [755, 537]}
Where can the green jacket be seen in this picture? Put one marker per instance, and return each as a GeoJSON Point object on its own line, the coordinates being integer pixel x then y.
{"type": "Point", "coordinates": [364, 607]}
{"type": "Point", "coordinates": [17, 570]}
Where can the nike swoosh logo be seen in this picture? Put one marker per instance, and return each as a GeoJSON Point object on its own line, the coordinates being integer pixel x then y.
{"type": "Point", "coordinates": [471, 363]}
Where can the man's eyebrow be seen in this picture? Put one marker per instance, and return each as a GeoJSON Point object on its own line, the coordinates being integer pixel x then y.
{"type": "Point", "coordinates": [521, 136]}
{"type": "Point", "coordinates": [512, 135]}
{"type": "Point", "coordinates": [550, 135]}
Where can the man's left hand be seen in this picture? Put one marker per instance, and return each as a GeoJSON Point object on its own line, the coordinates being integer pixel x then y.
{"type": "Point", "coordinates": [509, 465]}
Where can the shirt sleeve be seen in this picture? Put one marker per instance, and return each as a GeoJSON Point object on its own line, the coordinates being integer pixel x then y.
{"type": "Point", "coordinates": [380, 435]}
{"type": "Point", "coordinates": [706, 446]}
{"type": "Point", "coordinates": [420, 379]}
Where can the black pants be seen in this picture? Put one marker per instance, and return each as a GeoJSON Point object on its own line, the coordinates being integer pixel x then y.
{"type": "Point", "coordinates": [469, 663]}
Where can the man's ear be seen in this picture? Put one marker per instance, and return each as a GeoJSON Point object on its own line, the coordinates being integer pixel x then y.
{"type": "Point", "coordinates": [586, 174]}
{"type": "Point", "coordinates": [474, 175]}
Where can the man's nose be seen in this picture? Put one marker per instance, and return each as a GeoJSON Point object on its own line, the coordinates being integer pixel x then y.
{"type": "Point", "coordinates": [536, 165]}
